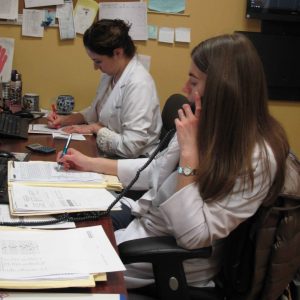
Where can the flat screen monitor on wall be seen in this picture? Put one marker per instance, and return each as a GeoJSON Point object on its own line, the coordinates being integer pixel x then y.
{"type": "Point", "coordinates": [274, 10]}
{"type": "Point", "coordinates": [281, 61]}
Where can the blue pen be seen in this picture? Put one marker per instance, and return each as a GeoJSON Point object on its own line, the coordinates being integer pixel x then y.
{"type": "Point", "coordinates": [64, 151]}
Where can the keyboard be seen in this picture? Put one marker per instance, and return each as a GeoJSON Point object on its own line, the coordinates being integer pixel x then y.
{"type": "Point", "coordinates": [3, 180]}
{"type": "Point", "coordinates": [13, 126]}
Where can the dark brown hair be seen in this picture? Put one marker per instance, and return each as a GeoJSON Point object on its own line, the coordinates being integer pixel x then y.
{"type": "Point", "coordinates": [104, 36]}
{"type": "Point", "coordinates": [235, 117]}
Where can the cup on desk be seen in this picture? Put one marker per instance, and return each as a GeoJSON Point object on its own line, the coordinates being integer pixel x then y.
{"type": "Point", "coordinates": [65, 104]}
{"type": "Point", "coordinates": [31, 102]}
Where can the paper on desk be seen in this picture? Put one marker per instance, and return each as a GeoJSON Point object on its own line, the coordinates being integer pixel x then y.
{"type": "Point", "coordinates": [75, 136]}
{"type": "Point", "coordinates": [46, 171]}
{"type": "Point", "coordinates": [43, 283]}
{"type": "Point", "coordinates": [5, 216]}
{"type": "Point", "coordinates": [44, 129]}
{"type": "Point", "coordinates": [21, 156]}
{"type": "Point", "coordinates": [28, 254]}
{"type": "Point", "coordinates": [29, 200]}
{"type": "Point", "coordinates": [62, 296]}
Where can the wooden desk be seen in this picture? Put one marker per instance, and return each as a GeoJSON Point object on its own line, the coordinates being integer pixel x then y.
{"type": "Point", "coordinates": [115, 280]}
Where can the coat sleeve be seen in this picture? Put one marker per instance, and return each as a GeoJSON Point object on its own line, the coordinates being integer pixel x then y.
{"type": "Point", "coordinates": [198, 223]}
{"type": "Point", "coordinates": [140, 121]}
{"type": "Point", "coordinates": [159, 168]}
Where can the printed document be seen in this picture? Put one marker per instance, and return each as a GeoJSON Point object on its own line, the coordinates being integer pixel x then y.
{"type": "Point", "coordinates": [45, 173]}
{"type": "Point", "coordinates": [35, 200]}
{"type": "Point", "coordinates": [30, 255]}
{"type": "Point", "coordinates": [6, 217]}
{"type": "Point", "coordinates": [44, 129]}
{"type": "Point", "coordinates": [61, 296]}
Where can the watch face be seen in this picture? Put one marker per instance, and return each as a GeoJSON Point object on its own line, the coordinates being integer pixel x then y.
{"type": "Point", "coordinates": [187, 171]}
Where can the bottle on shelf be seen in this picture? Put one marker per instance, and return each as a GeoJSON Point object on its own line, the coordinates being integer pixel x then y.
{"type": "Point", "coordinates": [15, 91]}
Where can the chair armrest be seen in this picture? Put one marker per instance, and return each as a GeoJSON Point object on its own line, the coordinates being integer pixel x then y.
{"type": "Point", "coordinates": [157, 249]}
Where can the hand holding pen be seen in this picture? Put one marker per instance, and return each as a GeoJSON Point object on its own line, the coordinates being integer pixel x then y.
{"type": "Point", "coordinates": [64, 152]}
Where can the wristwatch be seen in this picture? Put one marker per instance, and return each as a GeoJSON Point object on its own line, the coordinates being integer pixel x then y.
{"type": "Point", "coordinates": [186, 171]}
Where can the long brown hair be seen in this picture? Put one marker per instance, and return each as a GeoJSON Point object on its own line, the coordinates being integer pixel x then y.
{"type": "Point", "coordinates": [234, 117]}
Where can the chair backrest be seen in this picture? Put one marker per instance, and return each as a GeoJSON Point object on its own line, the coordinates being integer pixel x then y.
{"type": "Point", "coordinates": [262, 254]}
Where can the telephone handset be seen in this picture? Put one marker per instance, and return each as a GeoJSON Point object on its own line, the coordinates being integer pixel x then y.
{"type": "Point", "coordinates": [193, 107]}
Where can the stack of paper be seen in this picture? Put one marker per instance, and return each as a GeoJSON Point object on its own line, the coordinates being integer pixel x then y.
{"type": "Point", "coordinates": [61, 296]}
{"type": "Point", "coordinates": [29, 259]}
{"type": "Point", "coordinates": [37, 188]}
{"type": "Point", "coordinates": [37, 200]}
{"type": "Point", "coordinates": [6, 217]}
{"type": "Point", "coordinates": [45, 173]}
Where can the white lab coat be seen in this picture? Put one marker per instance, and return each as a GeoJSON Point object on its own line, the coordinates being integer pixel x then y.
{"type": "Point", "coordinates": [184, 215]}
{"type": "Point", "coordinates": [130, 113]}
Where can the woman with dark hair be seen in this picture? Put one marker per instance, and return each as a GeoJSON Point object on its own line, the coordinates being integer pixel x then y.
{"type": "Point", "coordinates": [227, 158]}
{"type": "Point", "coordinates": [125, 115]}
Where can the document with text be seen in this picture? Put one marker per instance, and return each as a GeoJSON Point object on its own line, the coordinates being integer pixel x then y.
{"type": "Point", "coordinates": [35, 200]}
{"type": "Point", "coordinates": [6, 217]}
{"type": "Point", "coordinates": [46, 173]}
{"type": "Point", "coordinates": [30, 255]}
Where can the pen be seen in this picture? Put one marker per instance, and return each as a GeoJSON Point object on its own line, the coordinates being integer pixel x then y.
{"type": "Point", "coordinates": [64, 151]}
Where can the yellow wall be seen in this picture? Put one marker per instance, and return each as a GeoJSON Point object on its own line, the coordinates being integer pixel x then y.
{"type": "Point", "coordinates": [51, 67]}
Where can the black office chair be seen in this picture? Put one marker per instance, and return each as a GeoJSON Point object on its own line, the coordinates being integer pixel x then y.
{"type": "Point", "coordinates": [256, 263]}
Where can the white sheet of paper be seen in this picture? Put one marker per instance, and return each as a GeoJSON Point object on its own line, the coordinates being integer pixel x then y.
{"type": "Point", "coordinates": [84, 14]}
{"type": "Point", "coordinates": [83, 250]}
{"type": "Point", "coordinates": [61, 296]}
{"type": "Point", "coordinates": [183, 34]}
{"type": "Point", "coordinates": [5, 216]}
{"type": "Point", "coordinates": [66, 25]}
{"type": "Point", "coordinates": [44, 129]}
{"type": "Point", "coordinates": [9, 9]}
{"type": "Point", "coordinates": [29, 199]}
{"type": "Point", "coordinates": [32, 22]}
{"type": "Point", "coordinates": [64, 136]}
{"type": "Point", "coordinates": [134, 13]}
{"type": "Point", "coordinates": [166, 35]}
{"type": "Point", "coordinates": [39, 3]}
{"type": "Point", "coordinates": [46, 171]}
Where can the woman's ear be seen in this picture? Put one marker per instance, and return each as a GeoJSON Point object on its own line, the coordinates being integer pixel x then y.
{"type": "Point", "coordinates": [118, 52]}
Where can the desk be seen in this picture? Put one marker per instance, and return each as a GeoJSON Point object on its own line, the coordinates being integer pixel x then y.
{"type": "Point", "coordinates": [115, 280]}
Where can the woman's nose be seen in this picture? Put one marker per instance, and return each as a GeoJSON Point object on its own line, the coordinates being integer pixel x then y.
{"type": "Point", "coordinates": [186, 89]}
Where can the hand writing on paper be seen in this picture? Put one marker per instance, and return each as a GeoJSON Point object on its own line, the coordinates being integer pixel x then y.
{"type": "Point", "coordinates": [3, 58]}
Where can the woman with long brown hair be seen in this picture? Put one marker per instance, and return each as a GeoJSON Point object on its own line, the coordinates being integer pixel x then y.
{"type": "Point", "coordinates": [226, 159]}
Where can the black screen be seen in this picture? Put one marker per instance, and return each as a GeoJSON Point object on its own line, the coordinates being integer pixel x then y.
{"type": "Point", "coordinates": [280, 55]}
{"type": "Point", "coordinates": [280, 10]}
